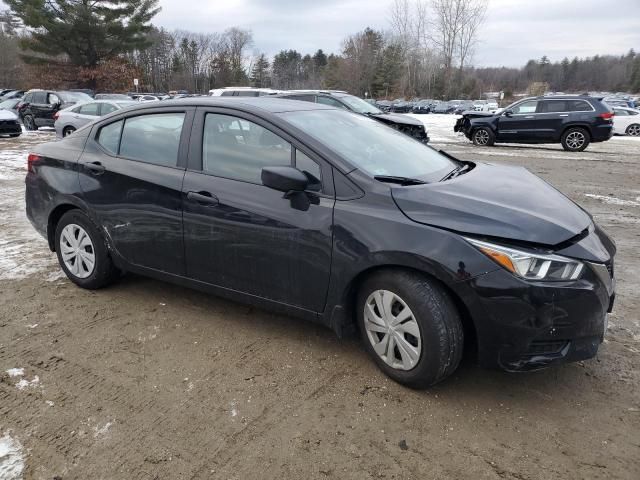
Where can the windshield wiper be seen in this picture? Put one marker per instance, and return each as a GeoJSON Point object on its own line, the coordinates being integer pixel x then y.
{"type": "Point", "coordinates": [456, 171]}
{"type": "Point", "coordinates": [404, 181]}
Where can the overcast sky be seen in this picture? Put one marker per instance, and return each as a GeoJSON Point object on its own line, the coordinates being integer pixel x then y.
{"type": "Point", "coordinates": [514, 32]}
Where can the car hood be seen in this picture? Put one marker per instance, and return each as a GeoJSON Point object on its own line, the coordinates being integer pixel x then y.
{"type": "Point", "coordinates": [7, 115]}
{"type": "Point", "coordinates": [496, 201]}
{"type": "Point", "coordinates": [474, 114]}
{"type": "Point", "coordinates": [397, 119]}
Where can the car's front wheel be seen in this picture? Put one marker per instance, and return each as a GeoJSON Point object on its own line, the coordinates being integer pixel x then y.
{"type": "Point", "coordinates": [410, 326]}
{"type": "Point", "coordinates": [633, 130]}
{"type": "Point", "coordinates": [483, 137]}
{"type": "Point", "coordinates": [82, 251]}
{"type": "Point", "coordinates": [575, 139]}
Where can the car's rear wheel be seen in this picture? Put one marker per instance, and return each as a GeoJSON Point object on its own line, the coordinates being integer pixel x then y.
{"type": "Point", "coordinates": [68, 131]}
{"type": "Point", "coordinates": [575, 139]}
{"type": "Point", "coordinates": [14, 135]}
{"type": "Point", "coordinates": [82, 251]}
{"type": "Point", "coordinates": [483, 137]}
{"type": "Point", "coordinates": [633, 130]}
{"type": "Point", "coordinates": [410, 326]}
{"type": "Point", "coordinates": [29, 123]}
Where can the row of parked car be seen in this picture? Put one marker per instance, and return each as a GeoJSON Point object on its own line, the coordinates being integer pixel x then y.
{"type": "Point", "coordinates": [435, 106]}
{"type": "Point", "coordinates": [67, 111]}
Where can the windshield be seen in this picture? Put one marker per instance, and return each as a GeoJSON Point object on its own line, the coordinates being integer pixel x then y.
{"type": "Point", "coordinates": [358, 105]}
{"type": "Point", "coordinates": [371, 146]}
{"type": "Point", "coordinates": [76, 97]}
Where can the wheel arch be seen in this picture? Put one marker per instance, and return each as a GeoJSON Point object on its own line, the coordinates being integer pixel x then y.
{"type": "Point", "coordinates": [584, 126]}
{"type": "Point", "coordinates": [343, 317]}
{"type": "Point", "coordinates": [52, 222]}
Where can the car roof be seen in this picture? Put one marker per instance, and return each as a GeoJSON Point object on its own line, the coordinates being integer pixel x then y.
{"type": "Point", "coordinates": [266, 104]}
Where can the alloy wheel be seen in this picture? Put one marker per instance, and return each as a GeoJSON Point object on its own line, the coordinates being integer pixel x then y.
{"type": "Point", "coordinates": [482, 137]}
{"type": "Point", "coordinates": [77, 250]}
{"type": "Point", "coordinates": [634, 130]}
{"type": "Point", "coordinates": [575, 140]}
{"type": "Point", "coordinates": [392, 330]}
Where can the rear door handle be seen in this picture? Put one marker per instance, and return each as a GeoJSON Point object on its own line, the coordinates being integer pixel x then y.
{"type": "Point", "coordinates": [203, 198]}
{"type": "Point", "coordinates": [96, 168]}
{"type": "Point", "coordinates": [564, 115]}
{"type": "Point", "coordinates": [530, 116]}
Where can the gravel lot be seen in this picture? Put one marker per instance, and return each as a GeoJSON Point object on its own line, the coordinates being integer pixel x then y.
{"type": "Point", "coordinates": [146, 380]}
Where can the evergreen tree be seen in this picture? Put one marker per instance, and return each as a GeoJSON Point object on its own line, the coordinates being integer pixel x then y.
{"type": "Point", "coordinates": [260, 72]}
{"type": "Point", "coordinates": [86, 31]}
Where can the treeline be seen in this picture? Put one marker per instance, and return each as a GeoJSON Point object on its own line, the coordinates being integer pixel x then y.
{"type": "Point", "coordinates": [427, 51]}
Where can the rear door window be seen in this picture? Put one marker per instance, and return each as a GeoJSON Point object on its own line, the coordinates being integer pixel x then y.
{"type": "Point", "coordinates": [90, 109]}
{"type": "Point", "coordinates": [552, 106]}
{"type": "Point", "coordinates": [106, 108]}
{"type": "Point", "coordinates": [39, 98]}
{"type": "Point", "coordinates": [153, 138]}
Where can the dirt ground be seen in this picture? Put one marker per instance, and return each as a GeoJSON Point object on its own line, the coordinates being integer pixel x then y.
{"type": "Point", "coordinates": [146, 380]}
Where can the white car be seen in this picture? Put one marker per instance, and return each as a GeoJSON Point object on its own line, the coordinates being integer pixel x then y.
{"type": "Point", "coordinates": [241, 92]}
{"type": "Point", "coordinates": [626, 121]}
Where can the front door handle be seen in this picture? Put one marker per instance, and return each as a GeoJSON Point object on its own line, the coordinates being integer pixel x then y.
{"type": "Point", "coordinates": [203, 198]}
{"type": "Point", "coordinates": [530, 116]}
{"type": "Point", "coordinates": [564, 115]}
{"type": "Point", "coordinates": [96, 168]}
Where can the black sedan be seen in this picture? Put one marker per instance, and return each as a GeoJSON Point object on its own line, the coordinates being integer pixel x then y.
{"type": "Point", "coordinates": [331, 217]}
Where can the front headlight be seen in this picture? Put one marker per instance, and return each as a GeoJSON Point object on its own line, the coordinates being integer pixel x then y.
{"type": "Point", "coordinates": [529, 265]}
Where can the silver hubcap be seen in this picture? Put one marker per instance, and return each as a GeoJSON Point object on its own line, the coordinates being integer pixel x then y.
{"type": "Point", "coordinates": [77, 251]}
{"type": "Point", "coordinates": [575, 139]}
{"type": "Point", "coordinates": [392, 330]}
{"type": "Point", "coordinates": [634, 130]}
{"type": "Point", "coordinates": [482, 137]}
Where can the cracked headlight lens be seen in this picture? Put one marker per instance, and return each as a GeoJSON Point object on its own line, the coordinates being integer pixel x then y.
{"type": "Point", "coordinates": [529, 265]}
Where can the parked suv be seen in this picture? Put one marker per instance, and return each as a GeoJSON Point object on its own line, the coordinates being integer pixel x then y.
{"type": "Point", "coordinates": [332, 217]}
{"type": "Point", "coordinates": [572, 120]}
{"type": "Point", "coordinates": [338, 99]}
{"type": "Point", "coordinates": [38, 107]}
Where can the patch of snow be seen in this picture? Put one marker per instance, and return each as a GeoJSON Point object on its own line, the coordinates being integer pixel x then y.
{"type": "Point", "coordinates": [55, 276]}
{"type": "Point", "coordinates": [234, 411]}
{"type": "Point", "coordinates": [11, 458]}
{"type": "Point", "coordinates": [100, 431]}
{"type": "Point", "coordinates": [614, 200]}
{"type": "Point", "coordinates": [15, 372]}
{"type": "Point", "coordinates": [33, 326]}
{"type": "Point", "coordinates": [24, 383]}
{"type": "Point", "coordinates": [50, 403]}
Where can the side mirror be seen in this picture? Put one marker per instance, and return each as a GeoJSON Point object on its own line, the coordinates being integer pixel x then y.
{"type": "Point", "coordinates": [284, 179]}
{"type": "Point", "coordinates": [508, 113]}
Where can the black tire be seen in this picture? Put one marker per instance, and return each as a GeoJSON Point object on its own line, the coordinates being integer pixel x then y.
{"type": "Point", "coordinates": [575, 139]}
{"type": "Point", "coordinates": [29, 123]}
{"type": "Point", "coordinates": [441, 332]}
{"type": "Point", "coordinates": [633, 130]}
{"type": "Point", "coordinates": [14, 135]}
{"type": "Point", "coordinates": [104, 272]}
{"type": "Point", "coordinates": [483, 137]}
{"type": "Point", "coordinates": [68, 131]}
